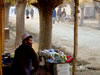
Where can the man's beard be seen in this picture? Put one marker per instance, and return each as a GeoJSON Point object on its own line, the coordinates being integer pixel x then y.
{"type": "Point", "coordinates": [30, 44]}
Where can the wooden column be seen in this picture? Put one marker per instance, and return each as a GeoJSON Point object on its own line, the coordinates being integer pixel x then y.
{"type": "Point", "coordinates": [75, 36]}
{"type": "Point", "coordinates": [1, 33]}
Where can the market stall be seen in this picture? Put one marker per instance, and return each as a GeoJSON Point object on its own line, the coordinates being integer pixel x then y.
{"type": "Point", "coordinates": [60, 61]}
{"type": "Point", "coordinates": [55, 61]}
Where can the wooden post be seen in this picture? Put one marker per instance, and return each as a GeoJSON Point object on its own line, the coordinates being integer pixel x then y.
{"type": "Point", "coordinates": [1, 33]}
{"type": "Point", "coordinates": [75, 36]}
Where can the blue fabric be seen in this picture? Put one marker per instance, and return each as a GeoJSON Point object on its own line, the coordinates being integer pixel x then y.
{"type": "Point", "coordinates": [54, 13]}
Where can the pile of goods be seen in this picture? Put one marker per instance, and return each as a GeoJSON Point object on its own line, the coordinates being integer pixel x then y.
{"type": "Point", "coordinates": [55, 56]}
{"type": "Point", "coordinates": [7, 58]}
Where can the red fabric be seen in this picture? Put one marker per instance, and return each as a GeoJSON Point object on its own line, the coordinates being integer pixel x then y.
{"type": "Point", "coordinates": [69, 59]}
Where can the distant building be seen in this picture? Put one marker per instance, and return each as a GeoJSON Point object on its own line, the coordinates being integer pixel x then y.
{"type": "Point", "coordinates": [89, 11]}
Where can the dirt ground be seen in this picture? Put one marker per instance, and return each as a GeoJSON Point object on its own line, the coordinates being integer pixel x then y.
{"type": "Point", "coordinates": [89, 42]}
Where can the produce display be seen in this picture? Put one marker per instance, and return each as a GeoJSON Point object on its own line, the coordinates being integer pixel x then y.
{"type": "Point", "coordinates": [54, 56]}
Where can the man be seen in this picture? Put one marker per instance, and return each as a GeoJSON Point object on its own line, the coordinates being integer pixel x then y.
{"type": "Point", "coordinates": [32, 13]}
{"type": "Point", "coordinates": [54, 16]}
{"type": "Point", "coordinates": [27, 13]}
{"type": "Point", "coordinates": [63, 15]}
{"type": "Point", "coordinates": [25, 57]}
{"type": "Point", "coordinates": [59, 14]}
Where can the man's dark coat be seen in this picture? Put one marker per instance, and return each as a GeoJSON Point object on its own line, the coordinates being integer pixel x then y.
{"type": "Point", "coordinates": [25, 58]}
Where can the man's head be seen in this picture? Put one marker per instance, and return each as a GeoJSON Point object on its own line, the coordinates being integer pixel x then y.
{"type": "Point", "coordinates": [27, 39]}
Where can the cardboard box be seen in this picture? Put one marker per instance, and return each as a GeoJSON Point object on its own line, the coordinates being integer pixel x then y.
{"type": "Point", "coordinates": [61, 69]}
{"type": "Point", "coordinates": [62, 66]}
{"type": "Point", "coordinates": [63, 73]}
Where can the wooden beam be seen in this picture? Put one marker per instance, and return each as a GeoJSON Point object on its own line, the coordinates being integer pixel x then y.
{"type": "Point", "coordinates": [1, 33]}
{"type": "Point", "coordinates": [75, 37]}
